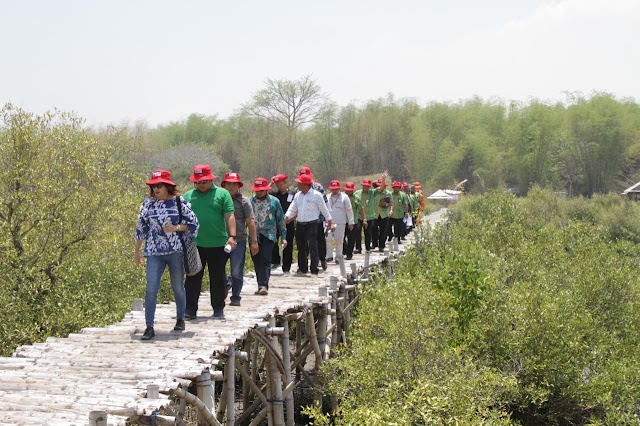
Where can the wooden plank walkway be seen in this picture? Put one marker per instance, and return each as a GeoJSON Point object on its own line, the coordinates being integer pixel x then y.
{"type": "Point", "coordinates": [58, 382]}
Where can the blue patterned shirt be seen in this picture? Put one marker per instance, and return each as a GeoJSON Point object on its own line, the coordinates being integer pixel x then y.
{"type": "Point", "coordinates": [154, 214]}
{"type": "Point", "coordinates": [268, 216]}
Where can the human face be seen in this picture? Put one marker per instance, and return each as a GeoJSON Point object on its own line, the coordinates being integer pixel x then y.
{"type": "Point", "coordinates": [160, 191]}
{"type": "Point", "coordinates": [349, 193]}
{"type": "Point", "coordinates": [261, 194]}
{"type": "Point", "coordinates": [282, 186]}
{"type": "Point", "coordinates": [232, 187]}
{"type": "Point", "coordinates": [335, 191]}
{"type": "Point", "coordinates": [303, 187]}
{"type": "Point", "coordinates": [204, 185]}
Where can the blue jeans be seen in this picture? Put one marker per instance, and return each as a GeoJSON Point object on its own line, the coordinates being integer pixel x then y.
{"type": "Point", "coordinates": [155, 268]}
{"type": "Point", "coordinates": [262, 261]}
{"type": "Point", "coordinates": [236, 262]}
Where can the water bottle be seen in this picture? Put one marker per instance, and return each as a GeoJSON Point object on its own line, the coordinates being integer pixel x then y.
{"type": "Point", "coordinates": [227, 248]}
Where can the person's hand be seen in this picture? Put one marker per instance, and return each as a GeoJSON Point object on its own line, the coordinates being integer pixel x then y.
{"type": "Point", "coordinates": [333, 227]}
{"type": "Point", "coordinates": [284, 244]}
{"type": "Point", "coordinates": [169, 228]}
{"type": "Point", "coordinates": [365, 224]}
{"type": "Point", "coordinates": [254, 248]}
{"type": "Point", "coordinates": [350, 227]}
{"type": "Point", "coordinates": [232, 241]}
{"type": "Point", "coordinates": [138, 259]}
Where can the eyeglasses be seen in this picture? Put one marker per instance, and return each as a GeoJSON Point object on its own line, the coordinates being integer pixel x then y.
{"type": "Point", "coordinates": [202, 182]}
{"type": "Point", "coordinates": [156, 185]}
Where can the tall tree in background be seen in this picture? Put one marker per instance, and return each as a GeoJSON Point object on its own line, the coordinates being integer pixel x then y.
{"type": "Point", "coordinates": [291, 104]}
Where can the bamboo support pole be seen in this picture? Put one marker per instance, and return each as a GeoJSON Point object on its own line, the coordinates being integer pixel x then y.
{"type": "Point", "coordinates": [343, 269]}
{"type": "Point", "coordinates": [286, 358]}
{"type": "Point", "coordinates": [365, 272]}
{"type": "Point", "coordinates": [246, 368]}
{"type": "Point", "coordinates": [203, 412]}
{"type": "Point", "coordinates": [229, 385]}
{"type": "Point", "coordinates": [354, 272]}
{"type": "Point", "coordinates": [98, 418]}
{"type": "Point", "coordinates": [313, 337]}
{"type": "Point", "coordinates": [137, 305]}
{"type": "Point", "coordinates": [204, 391]}
{"type": "Point", "coordinates": [276, 380]}
{"type": "Point", "coordinates": [153, 391]}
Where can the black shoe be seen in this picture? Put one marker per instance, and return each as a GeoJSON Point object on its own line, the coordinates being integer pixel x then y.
{"type": "Point", "coordinates": [218, 315]}
{"type": "Point", "coordinates": [324, 265]}
{"type": "Point", "coordinates": [188, 316]}
{"type": "Point", "coordinates": [349, 257]}
{"type": "Point", "coordinates": [148, 334]}
{"type": "Point", "coordinates": [179, 325]}
{"type": "Point", "coordinates": [381, 250]}
{"type": "Point", "coordinates": [234, 302]}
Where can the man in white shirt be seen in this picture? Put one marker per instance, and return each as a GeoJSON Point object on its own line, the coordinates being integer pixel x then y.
{"type": "Point", "coordinates": [307, 206]}
{"type": "Point", "coordinates": [341, 211]}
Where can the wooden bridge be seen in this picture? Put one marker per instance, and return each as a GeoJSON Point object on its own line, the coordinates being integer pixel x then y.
{"type": "Point", "coordinates": [274, 343]}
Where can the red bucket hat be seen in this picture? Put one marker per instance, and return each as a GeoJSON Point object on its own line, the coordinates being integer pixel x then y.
{"type": "Point", "coordinates": [335, 184]}
{"type": "Point", "coordinates": [232, 177]}
{"type": "Point", "coordinates": [201, 172]}
{"type": "Point", "coordinates": [304, 170]}
{"type": "Point", "coordinates": [396, 184]}
{"type": "Point", "coordinates": [260, 184]}
{"type": "Point", "coordinates": [160, 176]}
{"type": "Point", "coordinates": [349, 186]}
{"type": "Point", "coordinates": [405, 184]}
{"type": "Point", "coordinates": [304, 179]}
{"type": "Point", "coordinates": [366, 182]}
{"type": "Point", "coordinates": [279, 178]}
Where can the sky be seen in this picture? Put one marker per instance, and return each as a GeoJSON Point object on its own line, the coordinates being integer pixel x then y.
{"type": "Point", "coordinates": [124, 61]}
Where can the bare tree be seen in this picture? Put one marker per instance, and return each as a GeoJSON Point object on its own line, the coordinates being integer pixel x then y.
{"type": "Point", "coordinates": [289, 103]}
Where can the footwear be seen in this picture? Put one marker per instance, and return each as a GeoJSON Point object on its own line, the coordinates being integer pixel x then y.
{"type": "Point", "coordinates": [381, 250]}
{"type": "Point", "coordinates": [189, 317]}
{"type": "Point", "coordinates": [349, 257]}
{"type": "Point", "coordinates": [275, 265]}
{"type": "Point", "coordinates": [324, 265]}
{"type": "Point", "coordinates": [262, 291]}
{"type": "Point", "coordinates": [301, 274]}
{"type": "Point", "coordinates": [286, 273]}
{"type": "Point", "coordinates": [329, 259]}
{"type": "Point", "coordinates": [357, 251]}
{"type": "Point", "coordinates": [179, 325]}
{"type": "Point", "coordinates": [148, 334]}
{"type": "Point", "coordinates": [337, 261]}
{"type": "Point", "coordinates": [218, 315]}
{"type": "Point", "coordinates": [314, 274]}
{"type": "Point", "coordinates": [234, 302]}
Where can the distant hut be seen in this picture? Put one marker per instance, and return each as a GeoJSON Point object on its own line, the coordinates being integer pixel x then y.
{"type": "Point", "coordinates": [633, 192]}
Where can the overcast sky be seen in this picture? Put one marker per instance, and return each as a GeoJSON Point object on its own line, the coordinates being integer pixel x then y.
{"type": "Point", "coordinates": [126, 60]}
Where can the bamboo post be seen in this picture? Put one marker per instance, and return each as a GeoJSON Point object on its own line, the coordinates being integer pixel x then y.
{"type": "Point", "coordinates": [322, 343]}
{"type": "Point", "coordinates": [276, 380]}
{"type": "Point", "coordinates": [389, 268]}
{"type": "Point", "coordinates": [98, 418]}
{"type": "Point", "coordinates": [137, 305]}
{"type": "Point", "coordinates": [286, 358]}
{"type": "Point", "coordinates": [246, 367]}
{"type": "Point", "coordinates": [395, 245]}
{"type": "Point", "coordinates": [313, 337]}
{"type": "Point", "coordinates": [354, 272]}
{"type": "Point", "coordinates": [298, 342]}
{"type": "Point", "coordinates": [205, 394]}
{"type": "Point", "coordinates": [365, 271]}
{"type": "Point", "coordinates": [336, 308]}
{"type": "Point", "coordinates": [153, 391]}
{"type": "Point", "coordinates": [230, 385]}
{"type": "Point", "coordinates": [343, 269]}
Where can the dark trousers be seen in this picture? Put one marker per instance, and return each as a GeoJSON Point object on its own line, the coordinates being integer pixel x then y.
{"type": "Point", "coordinates": [382, 227]}
{"type": "Point", "coordinates": [398, 229]}
{"type": "Point", "coordinates": [359, 237]}
{"type": "Point", "coordinates": [350, 238]}
{"type": "Point", "coordinates": [215, 259]}
{"type": "Point", "coordinates": [262, 260]}
{"type": "Point", "coordinates": [287, 253]}
{"type": "Point", "coordinates": [307, 241]}
{"type": "Point", "coordinates": [322, 242]}
{"type": "Point", "coordinates": [369, 240]}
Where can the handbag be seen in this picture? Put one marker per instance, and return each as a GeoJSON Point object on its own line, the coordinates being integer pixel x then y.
{"type": "Point", "coordinates": [190, 254]}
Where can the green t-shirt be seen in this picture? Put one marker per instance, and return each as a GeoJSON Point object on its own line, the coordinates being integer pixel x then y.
{"type": "Point", "coordinates": [398, 201]}
{"type": "Point", "coordinates": [382, 212]}
{"type": "Point", "coordinates": [367, 201]}
{"type": "Point", "coordinates": [356, 205]}
{"type": "Point", "coordinates": [210, 209]}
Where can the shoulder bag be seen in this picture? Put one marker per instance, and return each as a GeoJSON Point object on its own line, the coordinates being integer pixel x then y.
{"type": "Point", "coordinates": [190, 255]}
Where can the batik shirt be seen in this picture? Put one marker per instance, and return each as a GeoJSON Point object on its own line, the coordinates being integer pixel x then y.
{"type": "Point", "coordinates": [154, 214]}
{"type": "Point", "coordinates": [269, 217]}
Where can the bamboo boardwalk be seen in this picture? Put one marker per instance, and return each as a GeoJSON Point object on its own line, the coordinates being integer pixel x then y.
{"type": "Point", "coordinates": [111, 371]}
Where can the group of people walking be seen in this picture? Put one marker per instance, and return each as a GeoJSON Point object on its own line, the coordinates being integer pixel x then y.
{"type": "Point", "coordinates": [223, 222]}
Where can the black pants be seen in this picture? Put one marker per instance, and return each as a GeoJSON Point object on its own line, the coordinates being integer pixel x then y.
{"type": "Point", "coordinates": [322, 242]}
{"type": "Point", "coordinates": [215, 259]}
{"type": "Point", "coordinates": [398, 229]}
{"type": "Point", "coordinates": [382, 227]}
{"type": "Point", "coordinates": [307, 241]}
{"type": "Point", "coordinates": [262, 261]}
{"type": "Point", "coordinates": [359, 237]}
{"type": "Point", "coordinates": [287, 253]}
{"type": "Point", "coordinates": [350, 238]}
{"type": "Point", "coordinates": [370, 235]}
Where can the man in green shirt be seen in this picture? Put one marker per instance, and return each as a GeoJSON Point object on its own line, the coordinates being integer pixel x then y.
{"type": "Point", "coordinates": [399, 210]}
{"type": "Point", "coordinates": [382, 202]}
{"type": "Point", "coordinates": [214, 209]}
{"type": "Point", "coordinates": [351, 236]}
{"type": "Point", "coordinates": [366, 199]}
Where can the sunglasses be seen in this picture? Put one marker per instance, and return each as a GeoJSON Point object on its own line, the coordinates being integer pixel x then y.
{"type": "Point", "coordinates": [156, 185]}
{"type": "Point", "coordinates": [202, 182]}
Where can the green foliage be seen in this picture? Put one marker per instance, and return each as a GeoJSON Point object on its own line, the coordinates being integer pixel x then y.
{"type": "Point", "coordinates": [66, 246]}
{"type": "Point", "coordinates": [523, 311]}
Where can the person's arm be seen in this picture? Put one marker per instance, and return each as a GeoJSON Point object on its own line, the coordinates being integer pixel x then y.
{"type": "Point", "coordinates": [349, 209]}
{"type": "Point", "coordinates": [137, 257]}
{"type": "Point", "coordinates": [325, 212]}
{"type": "Point", "coordinates": [292, 211]}
{"type": "Point", "coordinates": [280, 223]}
{"type": "Point", "coordinates": [230, 218]}
{"type": "Point", "coordinates": [253, 236]}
